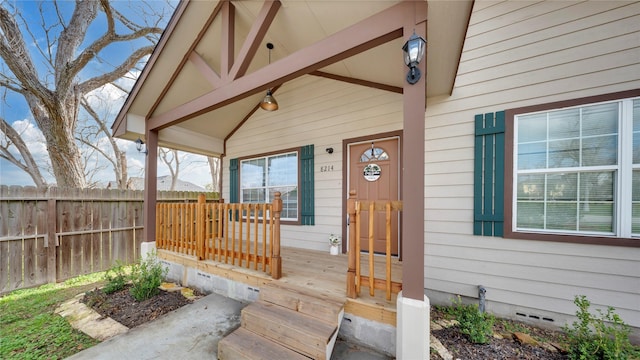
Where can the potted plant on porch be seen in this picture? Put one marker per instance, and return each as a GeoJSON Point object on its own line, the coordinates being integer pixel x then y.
{"type": "Point", "coordinates": [335, 242]}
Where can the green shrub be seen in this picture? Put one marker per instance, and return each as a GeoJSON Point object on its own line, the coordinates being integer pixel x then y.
{"type": "Point", "coordinates": [476, 325]}
{"type": "Point", "coordinates": [602, 336]}
{"type": "Point", "coordinates": [116, 278]}
{"type": "Point", "coordinates": [146, 276]}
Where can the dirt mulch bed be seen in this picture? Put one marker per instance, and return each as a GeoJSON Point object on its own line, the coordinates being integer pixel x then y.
{"type": "Point", "coordinates": [123, 308]}
{"type": "Point", "coordinates": [503, 345]}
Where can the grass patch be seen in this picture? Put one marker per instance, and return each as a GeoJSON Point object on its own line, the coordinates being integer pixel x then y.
{"type": "Point", "coordinates": [30, 329]}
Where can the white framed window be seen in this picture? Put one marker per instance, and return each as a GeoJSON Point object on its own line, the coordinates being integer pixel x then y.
{"type": "Point", "coordinates": [261, 177]}
{"type": "Point", "coordinates": [576, 170]}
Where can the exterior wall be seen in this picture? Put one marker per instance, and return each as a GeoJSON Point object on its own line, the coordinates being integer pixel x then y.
{"type": "Point", "coordinates": [519, 54]}
{"type": "Point", "coordinates": [322, 112]}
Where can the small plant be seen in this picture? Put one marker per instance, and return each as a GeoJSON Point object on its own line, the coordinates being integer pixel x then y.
{"type": "Point", "coordinates": [116, 278]}
{"type": "Point", "coordinates": [512, 327]}
{"type": "Point", "coordinates": [146, 276]}
{"type": "Point", "coordinates": [604, 336]}
{"type": "Point", "coordinates": [335, 240]}
{"type": "Point", "coordinates": [476, 325]}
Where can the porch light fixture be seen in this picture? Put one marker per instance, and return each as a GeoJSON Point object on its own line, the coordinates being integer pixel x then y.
{"type": "Point", "coordinates": [269, 103]}
{"type": "Point", "coordinates": [413, 53]}
{"type": "Point", "coordinates": [139, 146]}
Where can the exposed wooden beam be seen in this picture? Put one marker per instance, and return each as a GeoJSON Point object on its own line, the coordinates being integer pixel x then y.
{"type": "Point", "coordinates": [205, 70]}
{"type": "Point", "coordinates": [254, 38]}
{"type": "Point", "coordinates": [184, 60]}
{"type": "Point", "coordinates": [227, 48]}
{"type": "Point", "coordinates": [368, 33]}
{"type": "Point", "coordinates": [355, 81]}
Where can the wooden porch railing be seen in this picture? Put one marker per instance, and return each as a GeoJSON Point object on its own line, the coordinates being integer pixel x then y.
{"type": "Point", "coordinates": [355, 279]}
{"type": "Point", "coordinates": [246, 235]}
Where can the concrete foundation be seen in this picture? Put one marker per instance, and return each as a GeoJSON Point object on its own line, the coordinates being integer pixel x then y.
{"type": "Point", "coordinates": [353, 329]}
{"type": "Point", "coordinates": [371, 334]}
{"type": "Point", "coordinates": [412, 335]}
{"type": "Point", "coordinates": [146, 248]}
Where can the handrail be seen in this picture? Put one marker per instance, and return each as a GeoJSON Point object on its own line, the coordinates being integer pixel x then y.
{"type": "Point", "coordinates": [222, 232]}
{"type": "Point", "coordinates": [355, 279]}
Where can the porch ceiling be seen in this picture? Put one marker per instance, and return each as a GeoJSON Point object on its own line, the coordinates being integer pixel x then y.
{"type": "Point", "coordinates": [189, 63]}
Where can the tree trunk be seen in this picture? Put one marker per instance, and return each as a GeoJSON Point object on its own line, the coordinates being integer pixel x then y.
{"type": "Point", "coordinates": [58, 127]}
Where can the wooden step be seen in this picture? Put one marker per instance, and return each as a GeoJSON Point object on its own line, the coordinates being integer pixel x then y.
{"type": "Point", "coordinates": [243, 344]}
{"type": "Point", "coordinates": [307, 335]}
{"type": "Point", "coordinates": [304, 300]}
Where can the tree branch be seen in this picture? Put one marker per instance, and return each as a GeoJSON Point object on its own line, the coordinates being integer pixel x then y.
{"type": "Point", "coordinates": [108, 38]}
{"type": "Point", "coordinates": [117, 73]}
{"type": "Point", "coordinates": [29, 166]}
{"type": "Point", "coordinates": [13, 51]}
{"type": "Point", "coordinates": [69, 40]}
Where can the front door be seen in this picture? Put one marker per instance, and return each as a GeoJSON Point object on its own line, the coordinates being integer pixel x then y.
{"type": "Point", "coordinates": [374, 175]}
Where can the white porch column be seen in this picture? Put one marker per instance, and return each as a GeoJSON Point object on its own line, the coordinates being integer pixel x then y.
{"type": "Point", "coordinates": [412, 328]}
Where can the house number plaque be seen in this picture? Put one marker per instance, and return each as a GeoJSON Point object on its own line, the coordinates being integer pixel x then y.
{"type": "Point", "coordinates": [371, 172]}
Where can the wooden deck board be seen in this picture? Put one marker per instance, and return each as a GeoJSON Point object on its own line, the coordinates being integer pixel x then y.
{"type": "Point", "coordinates": [314, 269]}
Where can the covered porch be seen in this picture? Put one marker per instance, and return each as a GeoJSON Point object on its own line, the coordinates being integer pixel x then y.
{"type": "Point", "coordinates": [331, 65]}
{"type": "Point", "coordinates": [241, 243]}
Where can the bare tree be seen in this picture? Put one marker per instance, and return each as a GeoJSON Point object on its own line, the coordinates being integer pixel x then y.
{"type": "Point", "coordinates": [10, 138]}
{"type": "Point", "coordinates": [89, 136]}
{"type": "Point", "coordinates": [171, 159]}
{"type": "Point", "coordinates": [55, 85]}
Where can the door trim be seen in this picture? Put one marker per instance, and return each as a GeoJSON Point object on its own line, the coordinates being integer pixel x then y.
{"type": "Point", "coordinates": [345, 178]}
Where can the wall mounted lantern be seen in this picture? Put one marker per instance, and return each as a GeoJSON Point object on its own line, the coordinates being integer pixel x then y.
{"type": "Point", "coordinates": [413, 53]}
{"type": "Point", "coordinates": [269, 103]}
{"type": "Point", "coordinates": [140, 147]}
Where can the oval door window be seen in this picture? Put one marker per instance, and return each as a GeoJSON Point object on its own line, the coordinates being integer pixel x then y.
{"type": "Point", "coordinates": [371, 172]}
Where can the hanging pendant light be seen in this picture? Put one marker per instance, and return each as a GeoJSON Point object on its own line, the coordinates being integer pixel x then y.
{"type": "Point", "coordinates": [269, 103]}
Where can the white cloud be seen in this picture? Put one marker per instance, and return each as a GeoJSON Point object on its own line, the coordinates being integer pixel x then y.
{"type": "Point", "coordinates": [32, 136]}
{"type": "Point", "coordinates": [106, 100]}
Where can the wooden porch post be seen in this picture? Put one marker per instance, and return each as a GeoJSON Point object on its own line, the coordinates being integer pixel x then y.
{"type": "Point", "coordinates": [200, 226]}
{"type": "Point", "coordinates": [276, 261]}
{"type": "Point", "coordinates": [150, 187]}
{"type": "Point", "coordinates": [414, 104]}
{"type": "Point", "coordinates": [412, 317]}
{"type": "Point", "coordinates": [351, 272]}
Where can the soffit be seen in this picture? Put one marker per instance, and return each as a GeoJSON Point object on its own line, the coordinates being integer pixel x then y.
{"type": "Point", "coordinates": [296, 25]}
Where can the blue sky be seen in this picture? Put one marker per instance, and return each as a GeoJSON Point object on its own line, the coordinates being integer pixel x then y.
{"type": "Point", "coordinates": [13, 107]}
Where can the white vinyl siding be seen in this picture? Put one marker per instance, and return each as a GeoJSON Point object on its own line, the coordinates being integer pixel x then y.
{"type": "Point", "coordinates": [516, 54]}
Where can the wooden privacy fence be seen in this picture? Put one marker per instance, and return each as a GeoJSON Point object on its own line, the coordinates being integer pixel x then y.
{"type": "Point", "coordinates": [50, 235]}
{"type": "Point", "coordinates": [355, 277]}
{"type": "Point", "coordinates": [246, 235]}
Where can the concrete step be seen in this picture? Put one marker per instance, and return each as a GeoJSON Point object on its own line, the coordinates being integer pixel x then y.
{"type": "Point", "coordinates": [243, 344]}
{"type": "Point", "coordinates": [303, 333]}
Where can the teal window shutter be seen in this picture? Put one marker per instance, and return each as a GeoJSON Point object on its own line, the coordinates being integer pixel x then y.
{"type": "Point", "coordinates": [307, 213]}
{"type": "Point", "coordinates": [488, 188]}
{"type": "Point", "coordinates": [234, 192]}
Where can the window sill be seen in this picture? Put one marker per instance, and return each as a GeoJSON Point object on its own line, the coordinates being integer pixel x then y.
{"type": "Point", "coordinates": [575, 239]}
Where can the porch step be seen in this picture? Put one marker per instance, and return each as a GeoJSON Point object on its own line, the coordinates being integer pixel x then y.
{"type": "Point", "coordinates": [244, 344]}
{"type": "Point", "coordinates": [303, 300]}
{"type": "Point", "coordinates": [297, 331]}
{"type": "Point", "coordinates": [285, 318]}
